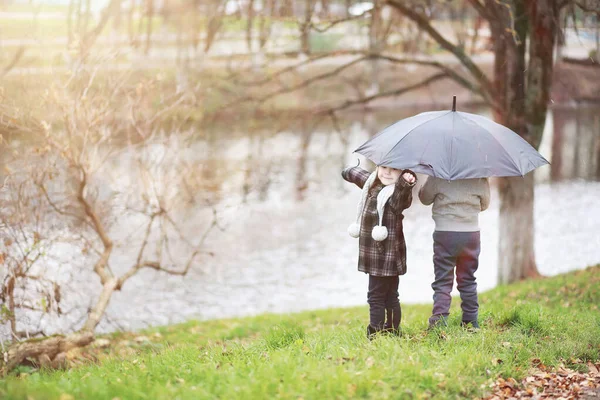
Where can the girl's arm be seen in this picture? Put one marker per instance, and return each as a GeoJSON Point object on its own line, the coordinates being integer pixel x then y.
{"type": "Point", "coordinates": [427, 192]}
{"type": "Point", "coordinates": [402, 196]}
{"type": "Point", "coordinates": [356, 175]}
{"type": "Point", "coordinates": [485, 197]}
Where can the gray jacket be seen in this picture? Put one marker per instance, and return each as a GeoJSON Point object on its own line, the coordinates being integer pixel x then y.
{"type": "Point", "coordinates": [456, 204]}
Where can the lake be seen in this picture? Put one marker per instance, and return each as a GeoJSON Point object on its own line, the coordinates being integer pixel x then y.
{"type": "Point", "coordinates": [284, 209]}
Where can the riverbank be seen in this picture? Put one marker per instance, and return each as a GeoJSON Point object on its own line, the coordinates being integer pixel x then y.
{"type": "Point", "coordinates": [528, 329]}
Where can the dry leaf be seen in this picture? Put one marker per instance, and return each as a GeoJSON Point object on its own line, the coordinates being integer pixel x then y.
{"type": "Point", "coordinates": [351, 388]}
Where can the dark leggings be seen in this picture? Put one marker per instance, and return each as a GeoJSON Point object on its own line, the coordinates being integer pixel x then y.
{"type": "Point", "coordinates": [383, 302]}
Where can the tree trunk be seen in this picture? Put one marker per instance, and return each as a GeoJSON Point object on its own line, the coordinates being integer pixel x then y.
{"type": "Point", "coordinates": [527, 105]}
{"type": "Point", "coordinates": [79, 18]}
{"type": "Point", "coordinates": [516, 236]}
{"type": "Point", "coordinates": [305, 28]}
{"type": "Point", "coordinates": [70, 23]}
{"type": "Point", "coordinates": [150, 17]}
{"type": "Point", "coordinates": [130, 24]}
{"type": "Point", "coordinates": [249, 25]}
{"type": "Point", "coordinates": [543, 17]}
{"type": "Point", "coordinates": [94, 317]}
{"type": "Point", "coordinates": [88, 15]}
{"type": "Point", "coordinates": [598, 38]}
{"type": "Point", "coordinates": [560, 121]}
{"type": "Point", "coordinates": [301, 175]}
{"type": "Point", "coordinates": [516, 257]}
{"type": "Point", "coordinates": [375, 47]}
{"type": "Point", "coordinates": [10, 293]}
{"type": "Point", "coordinates": [597, 149]}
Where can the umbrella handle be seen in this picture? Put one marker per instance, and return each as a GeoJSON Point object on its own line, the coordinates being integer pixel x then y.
{"type": "Point", "coordinates": [358, 159]}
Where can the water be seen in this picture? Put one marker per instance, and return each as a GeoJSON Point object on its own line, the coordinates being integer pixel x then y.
{"type": "Point", "coordinates": [284, 210]}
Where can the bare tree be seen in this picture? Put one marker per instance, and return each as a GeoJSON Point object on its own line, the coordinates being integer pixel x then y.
{"type": "Point", "coordinates": [76, 180]}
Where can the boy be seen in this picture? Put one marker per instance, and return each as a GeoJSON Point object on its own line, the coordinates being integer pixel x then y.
{"type": "Point", "coordinates": [456, 243]}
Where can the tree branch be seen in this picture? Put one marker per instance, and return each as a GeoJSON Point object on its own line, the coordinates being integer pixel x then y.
{"type": "Point", "coordinates": [309, 81]}
{"type": "Point", "coordinates": [91, 36]}
{"type": "Point", "coordinates": [465, 60]}
{"type": "Point", "coordinates": [13, 62]}
{"type": "Point", "coordinates": [390, 93]}
{"type": "Point", "coordinates": [157, 265]}
{"type": "Point", "coordinates": [449, 71]}
{"type": "Point", "coordinates": [337, 22]}
{"type": "Point", "coordinates": [588, 7]}
{"type": "Point", "coordinates": [294, 67]}
{"type": "Point", "coordinates": [481, 9]}
{"type": "Point", "coordinates": [56, 208]}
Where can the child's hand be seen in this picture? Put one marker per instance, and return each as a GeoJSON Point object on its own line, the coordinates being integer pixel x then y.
{"type": "Point", "coordinates": [408, 177]}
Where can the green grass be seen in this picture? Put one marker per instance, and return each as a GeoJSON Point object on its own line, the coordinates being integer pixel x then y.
{"type": "Point", "coordinates": [325, 354]}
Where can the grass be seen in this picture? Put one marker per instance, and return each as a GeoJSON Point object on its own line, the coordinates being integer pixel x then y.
{"type": "Point", "coordinates": [325, 354]}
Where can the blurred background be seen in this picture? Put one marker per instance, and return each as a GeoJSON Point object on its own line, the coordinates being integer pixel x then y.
{"type": "Point", "coordinates": [173, 160]}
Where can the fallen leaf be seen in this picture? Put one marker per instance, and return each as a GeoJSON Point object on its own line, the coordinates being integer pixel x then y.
{"type": "Point", "coordinates": [351, 388]}
{"type": "Point", "coordinates": [438, 376]}
{"type": "Point", "coordinates": [102, 343]}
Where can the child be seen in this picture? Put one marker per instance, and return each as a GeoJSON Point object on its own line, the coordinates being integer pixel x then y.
{"type": "Point", "coordinates": [456, 242]}
{"type": "Point", "coordinates": [382, 250]}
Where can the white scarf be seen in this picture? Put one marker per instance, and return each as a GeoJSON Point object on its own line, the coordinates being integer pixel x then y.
{"type": "Point", "coordinates": [379, 232]}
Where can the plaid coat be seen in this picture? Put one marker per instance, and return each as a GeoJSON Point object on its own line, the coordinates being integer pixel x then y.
{"type": "Point", "coordinates": [388, 257]}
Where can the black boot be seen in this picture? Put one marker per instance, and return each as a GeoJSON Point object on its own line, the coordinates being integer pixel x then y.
{"type": "Point", "coordinates": [392, 331]}
{"type": "Point", "coordinates": [371, 332]}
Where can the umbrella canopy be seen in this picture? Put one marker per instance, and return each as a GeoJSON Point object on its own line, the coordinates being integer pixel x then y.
{"type": "Point", "coordinates": [452, 145]}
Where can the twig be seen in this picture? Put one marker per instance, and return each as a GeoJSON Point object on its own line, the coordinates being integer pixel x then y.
{"type": "Point", "coordinates": [391, 93]}
{"type": "Point", "coordinates": [337, 22]}
{"type": "Point", "coordinates": [13, 62]}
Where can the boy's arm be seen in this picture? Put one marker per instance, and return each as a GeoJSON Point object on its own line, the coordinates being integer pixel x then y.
{"type": "Point", "coordinates": [356, 175]}
{"type": "Point", "coordinates": [427, 192]}
{"type": "Point", "coordinates": [485, 197]}
{"type": "Point", "coordinates": [402, 196]}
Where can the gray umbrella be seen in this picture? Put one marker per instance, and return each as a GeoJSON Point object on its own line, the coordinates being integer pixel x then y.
{"type": "Point", "coordinates": [452, 145]}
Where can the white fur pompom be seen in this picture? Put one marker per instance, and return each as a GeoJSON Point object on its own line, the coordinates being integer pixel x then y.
{"type": "Point", "coordinates": [379, 233]}
{"type": "Point", "coordinates": [354, 230]}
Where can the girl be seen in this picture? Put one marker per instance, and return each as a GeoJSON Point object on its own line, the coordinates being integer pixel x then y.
{"type": "Point", "coordinates": [386, 193]}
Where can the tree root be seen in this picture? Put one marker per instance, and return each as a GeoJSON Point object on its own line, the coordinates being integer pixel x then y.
{"type": "Point", "coordinates": [47, 352]}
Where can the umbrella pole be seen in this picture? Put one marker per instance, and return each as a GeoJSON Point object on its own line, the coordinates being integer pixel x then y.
{"type": "Point", "coordinates": [453, 103]}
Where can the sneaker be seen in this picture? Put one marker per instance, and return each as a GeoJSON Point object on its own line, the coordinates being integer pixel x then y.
{"type": "Point", "coordinates": [474, 324]}
{"type": "Point", "coordinates": [437, 323]}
